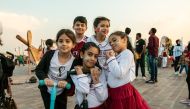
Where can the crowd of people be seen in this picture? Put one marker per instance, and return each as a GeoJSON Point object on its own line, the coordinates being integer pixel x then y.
{"type": "Point", "coordinates": [104, 66]}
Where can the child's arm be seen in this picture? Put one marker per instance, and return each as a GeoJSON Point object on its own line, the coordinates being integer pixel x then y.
{"type": "Point", "coordinates": [40, 68]}
{"type": "Point", "coordinates": [101, 90]}
{"type": "Point", "coordinates": [120, 69]}
{"type": "Point", "coordinates": [81, 81]}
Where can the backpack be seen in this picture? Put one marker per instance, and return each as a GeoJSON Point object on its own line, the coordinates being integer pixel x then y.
{"type": "Point", "coordinates": [7, 65]}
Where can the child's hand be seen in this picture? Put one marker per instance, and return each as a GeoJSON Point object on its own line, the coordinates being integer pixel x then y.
{"type": "Point", "coordinates": [49, 82]}
{"type": "Point", "coordinates": [95, 74]}
{"type": "Point", "coordinates": [109, 54]}
{"type": "Point", "coordinates": [187, 59]}
{"type": "Point", "coordinates": [62, 84]}
{"type": "Point", "coordinates": [78, 70]}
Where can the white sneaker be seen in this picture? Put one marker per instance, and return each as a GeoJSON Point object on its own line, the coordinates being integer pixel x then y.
{"type": "Point", "coordinates": [176, 73]}
{"type": "Point", "coordinates": [179, 74]}
{"type": "Point", "coordinates": [144, 77]}
{"type": "Point", "coordinates": [185, 101]}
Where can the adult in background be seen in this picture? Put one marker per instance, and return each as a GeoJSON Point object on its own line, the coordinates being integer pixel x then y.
{"type": "Point", "coordinates": [140, 50]}
{"type": "Point", "coordinates": [177, 52]}
{"type": "Point", "coordinates": [153, 44]}
{"type": "Point", "coordinates": [187, 100]}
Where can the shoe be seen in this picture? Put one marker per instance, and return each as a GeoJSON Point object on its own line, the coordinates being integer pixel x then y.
{"type": "Point", "coordinates": [156, 81]}
{"type": "Point", "coordinates": [144, 77]}
{"type": "Point", "coordinates": [179, 74]}
{"type": "Point", "coordinates": [176, 73]}
{"type": "Point", "coordinates": [150, 81]}
{"type": "Point", "coordinates": [185, 101]}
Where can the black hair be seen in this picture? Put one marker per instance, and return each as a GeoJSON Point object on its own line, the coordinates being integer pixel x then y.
{"type": "Point", "coordinates": [87, 46]}
{"type": "Point", "coordinates": [99, 19]}
{"type": "Point", "coordinates": [67, 32]}
{"type": "Point", "coordinates": [138, 34]}
{"type": "Point", "coordinates": [49, 42]}
{"type": "Point", "coordinates": [123, 35]}
{"type": "Point", "coordinates": [177, 41]}
{"type": "Point", "coordinates": [153, 30]}
{"type": "Point", "coordinates": [127, 30]}
{"type": "Point", "coordinates": [81, 19]}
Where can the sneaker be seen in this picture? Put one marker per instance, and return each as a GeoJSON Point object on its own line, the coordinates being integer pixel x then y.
{"type": "Point", "coordinates": [156, 80]}
{"type": "Point", "coordinates": [179, 74]}
{"type": "Point", "coordinates": [185, 101]}
{"type": "Point", "coordinates": [150, 81]}
{"type": "Point", "coordinates": [176, 73]}
{"type": "Point", "coordinates": [144, 77]}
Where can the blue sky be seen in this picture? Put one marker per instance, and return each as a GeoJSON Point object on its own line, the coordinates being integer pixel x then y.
{"type": "Point", "coordinates": [45, 17]}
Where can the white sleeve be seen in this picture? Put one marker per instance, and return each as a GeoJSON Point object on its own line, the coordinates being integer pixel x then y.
{"type": "Point", "coordinates": [119, 69]}
{"type": "Point", "coordinates": [101, 90]}
{"type": "Point", "coordinates": [174, 52]}
{"type": "Point", "coordinates": [81, 83]}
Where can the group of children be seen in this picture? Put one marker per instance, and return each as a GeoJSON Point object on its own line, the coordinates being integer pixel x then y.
{"type": "Point", "coordinates": [103, 64]}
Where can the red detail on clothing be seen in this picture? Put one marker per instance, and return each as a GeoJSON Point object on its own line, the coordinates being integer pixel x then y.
{"type": "Point", "coordinates": [153, 44]}
{"type": "Point", "coordinates": [164, 54]}
{"type": "Point", "coordinates": [76, 51]}
{"type": "Point", "coordinates": [125, 97]}
{"type": "Point", "coordinates": [188, 56]}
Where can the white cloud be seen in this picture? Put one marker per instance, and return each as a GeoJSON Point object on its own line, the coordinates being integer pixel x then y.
{"type": "Point", "coordinates": [20, 23]}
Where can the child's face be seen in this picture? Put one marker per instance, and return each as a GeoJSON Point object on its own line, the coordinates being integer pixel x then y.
{"type": "Point", "coordinates": [90, 57]}
{"type": "Point", "coordinates": [103, 28]}
{"type": "Point", "coordinates": [117, 43]}
{"type": "Point", "coordinates": [80, 28]}
{"type": "Point", "coordinates": [64, 44]}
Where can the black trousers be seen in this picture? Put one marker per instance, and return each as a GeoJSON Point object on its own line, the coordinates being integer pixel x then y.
{"type": "Point", "coordinates": [60, 102]}
{"type": "Point", "coordinates": [140, 62]}
{"type": "Point", "coordinates": [176, 61]}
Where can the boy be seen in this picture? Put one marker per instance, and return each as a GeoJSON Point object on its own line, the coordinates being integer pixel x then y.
{"type": "Point", "coordinates": [80, 27]}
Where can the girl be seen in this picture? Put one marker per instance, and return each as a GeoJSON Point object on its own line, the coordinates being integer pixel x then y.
{"type": "Point", "coordinates": [53, 67]}
{"type": "Point", "coordinates": [101, 28]}
{"type": "Point", "coordinates": [90, 86]}
{"type": "Point", "coordinates": [122, 95]}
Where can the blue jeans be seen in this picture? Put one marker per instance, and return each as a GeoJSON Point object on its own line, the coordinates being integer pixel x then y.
{"type": "Point", "coordinates": [183, 66]}
{"type": "Point", "coordinates": [153, 67]}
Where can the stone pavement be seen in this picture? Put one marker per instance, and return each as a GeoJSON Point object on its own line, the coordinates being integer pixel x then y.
{"type": "Point", "coordinates": [163, 95]}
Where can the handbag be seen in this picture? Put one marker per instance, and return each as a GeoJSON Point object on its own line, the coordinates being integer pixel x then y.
{"type": "Point", "coordinates": [137, 55]}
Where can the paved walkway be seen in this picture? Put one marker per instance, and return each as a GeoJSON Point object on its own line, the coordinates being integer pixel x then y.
{"type": "Point", "coordinates": [163, 95]}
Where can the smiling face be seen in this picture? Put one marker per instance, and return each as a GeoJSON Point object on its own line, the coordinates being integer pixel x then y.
{"type": "Point", "coordinates": [80, 28]}
{"type": "Point", "coordinates": [64, 44]}
{"type": "Point", "coordinates": [102, 28]}
{"type": "Point", "coordinates": [90, 57]}
{"type": "Point", "coordinates": [117, 43]}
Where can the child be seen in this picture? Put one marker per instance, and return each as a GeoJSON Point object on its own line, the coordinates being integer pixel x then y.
{"type": "Point", "coordinates": [183, 63]}
{"type": "Point", "coordinates": [80, 26]}
{"type": "Point", "coordinates": [49, 46]}
{"type": "Point", "coordinates": [122, 95]}
{"type": "Point", "coordinates": [101, 28]}
{"type": "Point", "coordinates": [90, 86]}
{"type": "Point", "coordinates": [53, 67]}
{"type": "Point", "coordinates": [164, 58]}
